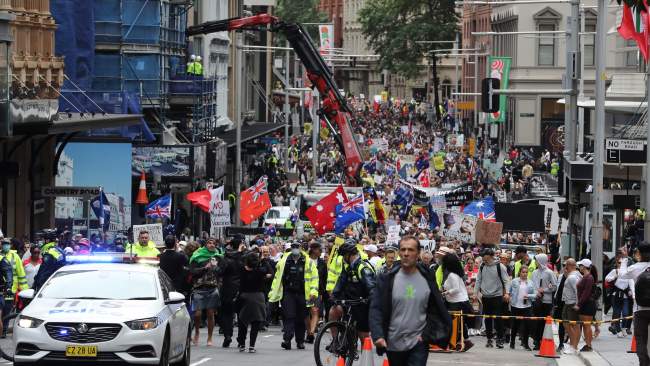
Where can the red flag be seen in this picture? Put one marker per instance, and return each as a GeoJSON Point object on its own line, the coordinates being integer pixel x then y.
{"type": "Point", "coordinates": [323, 214]}
{"type": "Point", "coordinates": [629, 29]}
{"type": "Point", "coordinates": [254, 202]}
{"type": "Point", "coordinates": [200, 199]}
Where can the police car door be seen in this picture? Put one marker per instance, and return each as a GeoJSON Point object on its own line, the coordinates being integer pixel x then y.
{"type": "Point", "coordinates": [174, 314]}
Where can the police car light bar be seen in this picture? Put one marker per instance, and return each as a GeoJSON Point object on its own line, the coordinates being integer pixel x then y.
{"type": "Point", "coordinates": [111, 258]}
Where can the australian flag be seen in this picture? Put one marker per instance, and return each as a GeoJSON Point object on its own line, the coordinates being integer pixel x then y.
{"type": "Point", "coordinates": [404, 197]}
{"type": "Point", "coordinates": [482, 209]}
{"type": "Point", "coordinates": [348, 213]}
{"type": "Point", "coordinates": [160, 208]}
{"type": "Point", "coordinates": [102, 209]}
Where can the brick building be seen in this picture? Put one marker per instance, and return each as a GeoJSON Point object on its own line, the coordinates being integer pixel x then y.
{"type": "Point", "coordinates": [334, 11]}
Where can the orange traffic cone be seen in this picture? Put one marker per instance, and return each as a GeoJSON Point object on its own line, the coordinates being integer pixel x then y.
{"type": "Point", "coordinates": [547, 347]}
{"type": "Point", "coordinates": [142, 191]}
{"type": "Point", "coordinates": [340, 361]}
{"type": "Point", "coordinates": [367, 359]}
{"type": "Point", "coordinates": [385, 362]}
{"type": "Point", "coordinates": [633, 346]}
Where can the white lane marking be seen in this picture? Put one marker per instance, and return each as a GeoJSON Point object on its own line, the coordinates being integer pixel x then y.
{"type": "Point", "coordinates": [202, 361]}
{"type": "Point", "coordinates": [267, 336]}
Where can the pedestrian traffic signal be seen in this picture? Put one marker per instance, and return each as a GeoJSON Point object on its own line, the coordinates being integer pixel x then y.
{"type": "Point", "coordinates": [489, 99]}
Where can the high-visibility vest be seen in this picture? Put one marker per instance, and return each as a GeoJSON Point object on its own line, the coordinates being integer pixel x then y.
{"type": "Point", "coordinates": [311, 279]}
{"type": "Point", "coordinates": [555, 167]}
{"type": "Point", "coordinates": [20, 279]}
{"type": "Point", "coordinates": [198, 68]}
{"type": "Point", "coordinates": [148, 250]}
{"type": "Point", "coordinates": [531, 267]}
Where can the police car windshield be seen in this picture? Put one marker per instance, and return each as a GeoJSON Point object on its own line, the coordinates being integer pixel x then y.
{"type": "Point", "coordinates": [100, 285]}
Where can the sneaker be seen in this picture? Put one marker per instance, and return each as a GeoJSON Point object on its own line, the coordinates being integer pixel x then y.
{"type": "Point", "coordinates": [251, 350]}
{"type": "Point", "coordinates": [499, 344]}
{"type": "Point", "coordinates": [586, 348]}
{"type": "Point", "coordinates": [241, 347]}
{"type": "Point", "coordinates": [612, 330]}
{"type": "Point", "coordinates": [628, 331]}
{"type": "Point", "coordinates": [286, 345]}
{"type": "Point", "coordinates": [559, 349]}
{"type": "Point", "coordinates": [621, 334]}
{"type": "Point", "coordinates": [526, 347]}
{"type": "Point", "coordinates": [300, 345]}
{"type": "Point", "coordinates": [568, 350]}
{"type": "Point", "coordinates": [309, 339]}
{"type": "Point", "coordinates": [226, 343]}
{"type": "Point", "coordinates": [489, 344]}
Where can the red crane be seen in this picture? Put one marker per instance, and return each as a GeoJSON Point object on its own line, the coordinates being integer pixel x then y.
{"type": "Point", "coordinates": [334, 107]}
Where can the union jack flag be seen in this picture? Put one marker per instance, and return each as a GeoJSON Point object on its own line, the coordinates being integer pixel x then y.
{"type": "Point", "coordinates": [160, 208]}
{"type": "Point", "coordinates": [349, 212]}
{"type": "Point", "coordinates": [352, 204]}
{"type": "Point", "coordinates": [259, 188]}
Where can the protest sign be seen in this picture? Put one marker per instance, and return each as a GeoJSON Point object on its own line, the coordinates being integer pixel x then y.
{"type": "Point", "coordinates": [428, 245]}
{"type": "Point", "coordinates": [456, 225]}
{"type": "Point", "coordinates": [488, 232]}
{"type": "Point", "coordinates": [155, 233]}
{"type": "Point", "coordinates": [393, 235]}
{"type": "Point", "coordinates": [220, 214]}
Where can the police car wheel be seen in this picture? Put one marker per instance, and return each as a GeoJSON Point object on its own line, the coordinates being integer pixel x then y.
{"type": "Point", "coordinates": [164, 354]}
{"type": "Point", "coordinates": [187, 355]}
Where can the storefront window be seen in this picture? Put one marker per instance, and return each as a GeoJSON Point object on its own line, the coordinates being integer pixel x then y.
{"type": "Point", "coordinates": [552, 125]}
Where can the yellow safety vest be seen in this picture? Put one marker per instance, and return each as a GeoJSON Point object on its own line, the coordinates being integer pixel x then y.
{"type": "Point", "coordinates": [19, 280]}
{"type": "Point", "coordinates": [311, 279]}
{"type": "Point", "coordinates": [335, 264]}
{"type": "Point", "coordinates": [143, 251]}
{"type": "Point", "coordinates": [531, 267]}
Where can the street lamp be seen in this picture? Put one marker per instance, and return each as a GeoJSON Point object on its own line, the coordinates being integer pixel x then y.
{"type": "Point", "coordinates": [5, 43]}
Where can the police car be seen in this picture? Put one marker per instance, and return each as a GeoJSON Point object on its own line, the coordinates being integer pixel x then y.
{"type": "Point", "coordinates": [96, 313]}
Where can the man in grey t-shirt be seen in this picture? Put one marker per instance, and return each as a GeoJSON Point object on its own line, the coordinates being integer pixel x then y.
{"type": "Point", "coordinates": [407, 311]}
{"type": "Point", "coordinates": [407, 321]}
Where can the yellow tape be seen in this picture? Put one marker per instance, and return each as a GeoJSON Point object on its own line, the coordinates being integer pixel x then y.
{"type": "Point", "coordinates": [597, 322]}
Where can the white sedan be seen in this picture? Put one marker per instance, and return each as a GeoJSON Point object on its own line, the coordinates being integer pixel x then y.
{"type": "Point", "coordinates": [104, 313]}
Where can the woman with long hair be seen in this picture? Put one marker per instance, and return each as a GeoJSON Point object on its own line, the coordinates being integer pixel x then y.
{"type": "Point", "coordinates": [455, 291]}
{"type": "Point", "coordinates": [251, 302]}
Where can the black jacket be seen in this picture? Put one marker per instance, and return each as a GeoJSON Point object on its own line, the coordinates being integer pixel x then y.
{"type": "Point", "coordinates": [174, 264]}
{"type": "Point", "coordinates": [438, 328]}
{"type": "Point", "coordinates": [351, 286]}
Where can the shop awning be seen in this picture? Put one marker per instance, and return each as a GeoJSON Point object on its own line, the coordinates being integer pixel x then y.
{"type": "Point", "coordinates": [250, 132]}
{"type": "Point", "coordinates": [76, 122]}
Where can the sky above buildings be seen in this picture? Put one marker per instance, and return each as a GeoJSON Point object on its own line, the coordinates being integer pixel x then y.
{"type": "Point", "coordinates": [102, 164]}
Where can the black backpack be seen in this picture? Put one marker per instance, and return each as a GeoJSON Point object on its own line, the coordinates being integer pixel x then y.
{"type": "Point", "coordinates": [596, 292]}
{"type": "Point", "coordinates": [642, 288]}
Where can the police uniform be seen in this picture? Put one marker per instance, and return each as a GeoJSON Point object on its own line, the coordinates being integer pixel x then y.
{"type": "Point", "coordinates": [357, 281]}
{"type": "Point", "coordinates": [53, 259]}
{"type": "Point", "coordinates": [295, 282]}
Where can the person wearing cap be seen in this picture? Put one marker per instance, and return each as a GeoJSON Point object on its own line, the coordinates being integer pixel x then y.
{"type": "Point", "coordinates": [190, 65]}
{"type": "Point", "coordinates": [586, 305]}
{"type": "Point", "coordinates": [570, 308]}
{"type": "Point", "coordinates": [521, 256]}
{"type": "Point", "coordinates": [492, 286]}
{"type": "Point", "coordinates": [439, 270]}
{"type": "Point", "coordinates": [295, 285]}
{"type": "Point", "coordinates": [544, 284]}
{"type": "Point", "coordinates": [389, 260]}
{"type": "Point", "coordinates": [374, 259]}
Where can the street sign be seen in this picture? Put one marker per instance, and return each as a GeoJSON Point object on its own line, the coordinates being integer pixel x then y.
{"type": "Point", "coordinates": [619, 151]}
{"type": "Point", "coordinates": [69, 191]}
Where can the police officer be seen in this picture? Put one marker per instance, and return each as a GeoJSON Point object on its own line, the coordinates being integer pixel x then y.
{"type": "Point", "coordinates": [19, 278]}
{"type": "Point", "coordinates": [6, 282]}
{"type": "Point", "coordinates": [53, 258]}
{"type": "Point", "coordinates": [295, 285]}
{"type": "Point", "coordinates": [357, 281]}
{"type": "Point", "coordinates": [144, 247]}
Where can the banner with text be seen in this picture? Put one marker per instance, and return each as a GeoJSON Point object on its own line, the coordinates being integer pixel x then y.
{"type": "Point", "coordinates": [500, 69]}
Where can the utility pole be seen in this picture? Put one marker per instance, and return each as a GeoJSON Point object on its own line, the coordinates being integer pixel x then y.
{"type": "Point", "coordinates": [239, 67]}
{"type": "Point", "coordinates": [436, 97]}
{"type": "Point", "coordinates": [571, 77]}
{"type": "Point", "coordinates": [286, 111]}
{"type": "Point", "coordinates": [581, 88]}
{"type": "Point", "coordinates": [599, 142]}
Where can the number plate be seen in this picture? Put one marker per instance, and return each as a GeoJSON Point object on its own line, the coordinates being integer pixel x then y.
{"type": "Point", "coordinates": [81, 351]}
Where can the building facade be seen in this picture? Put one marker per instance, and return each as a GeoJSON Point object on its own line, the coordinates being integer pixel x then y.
{"type": "Point", "coordinates": [335, 12]}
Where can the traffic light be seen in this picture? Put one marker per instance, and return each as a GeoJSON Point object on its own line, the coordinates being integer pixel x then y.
{"type": "Point", "coordinates": [489, 99]}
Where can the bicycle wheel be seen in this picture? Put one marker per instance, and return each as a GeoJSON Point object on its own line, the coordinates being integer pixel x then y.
{"type": "Point", "coordinates": [6, 343]}
{"type": "Point", "coordinates": [327, 347]}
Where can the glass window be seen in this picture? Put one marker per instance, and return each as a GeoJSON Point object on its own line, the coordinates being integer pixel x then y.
{"type": "Point", "coordinates": [165, 284]}
{"type": "Point", "coordinates": [552, 110]}
{"type": "Point", "coordinates": [589, 39]}
{"type": "Point", "coordinates": [546, 46]}
{"type": "Point", "coordinates": [631, 57]}
{"type": "Point", "coordinates": [101, 285]}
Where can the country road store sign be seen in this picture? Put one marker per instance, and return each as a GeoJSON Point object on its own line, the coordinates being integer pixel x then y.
{"type": "Point", "coordinates": [69, 191]}
{"type": "Point", "coordinates": [620, 151]}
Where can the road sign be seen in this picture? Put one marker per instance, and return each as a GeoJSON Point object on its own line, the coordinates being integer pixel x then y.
{"type": "Point", "coordinates": [619, 151]}
{"type": "Point", "coordinates": [69, 191]}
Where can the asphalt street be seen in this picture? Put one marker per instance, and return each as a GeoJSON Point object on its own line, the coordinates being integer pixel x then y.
{"type": "Point", "coordinates": [269, 353]}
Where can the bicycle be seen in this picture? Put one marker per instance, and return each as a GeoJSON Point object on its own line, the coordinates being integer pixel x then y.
{"type": "Point", "coordinates": [338, 339]}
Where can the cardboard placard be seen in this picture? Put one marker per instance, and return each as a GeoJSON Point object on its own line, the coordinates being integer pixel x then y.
{"type": "Point", "coordinates": [155, 233]}
{"type": "Point", "coordinates": [488, 232]}
{"type": "Point", "coordinates": [393, 235]}
{"type": "Point", "coordinates": [456, 225]}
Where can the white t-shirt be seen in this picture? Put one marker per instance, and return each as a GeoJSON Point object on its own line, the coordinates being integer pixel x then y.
{"type": "Point", "coordinates": [521, 295]}
{"type": "Point", "coordinates": [455, 288]}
